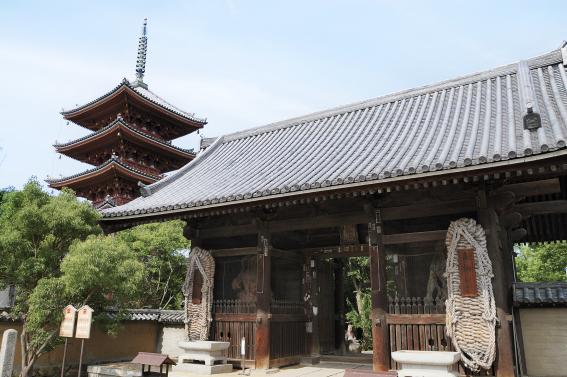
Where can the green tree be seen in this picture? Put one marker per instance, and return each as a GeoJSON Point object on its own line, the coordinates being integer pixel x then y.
{"type": "Point", "coordinates": [5, 191]}
{"type": "Point", "coordinates": [51, 250]}
{"type": "Point", "coordinates": [358, 274]}
{"type": "Point", "coordinates": [100, 271]}
{"type": "Point", "coordinates": [36, 231]}
{"type": "Point", "coordinates": [360, 317]}
{"type": "Point", "coordinates": [546, 262]}
{"type": "Point", "coordinates": [157, 247]}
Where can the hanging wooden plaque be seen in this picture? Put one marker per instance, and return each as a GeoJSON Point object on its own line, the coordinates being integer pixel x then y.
{"type": "Point", "coordinates": [467, 273]}
{"type": "Point", "coordinates": [197, 292]}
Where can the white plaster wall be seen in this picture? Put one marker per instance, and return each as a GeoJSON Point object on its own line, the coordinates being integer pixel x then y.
{"type": "Point", "coordinates": [545, 340]}
{"type": "Point", "coordinates": [169, 339]}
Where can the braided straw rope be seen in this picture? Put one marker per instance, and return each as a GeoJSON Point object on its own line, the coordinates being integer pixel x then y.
{"type": "Point", "coordinates": [470, 321]}
{"type": "Point", "coordinates": [198, 316]}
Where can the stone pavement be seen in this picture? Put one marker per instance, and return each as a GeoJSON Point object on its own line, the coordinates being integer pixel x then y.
{"type": "Point", "coordinates": [324, 369]}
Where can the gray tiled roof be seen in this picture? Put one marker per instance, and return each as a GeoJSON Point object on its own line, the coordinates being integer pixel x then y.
{"type": "Point", "coordinates": [159, 315]}
{"type": "Point", "coordinates": [120, 122]}
{"type": "Point", "coordinates": [540, 294]}
{"type": "Point", "coordinates": [113, 160]}
{"type": "Point", "coordinates": [460, 123]}
{"type": "Point", "coordinates": [148, 95]}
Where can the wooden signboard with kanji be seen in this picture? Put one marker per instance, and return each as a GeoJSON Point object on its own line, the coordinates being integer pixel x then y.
{"type": "Point", "coordinates": [68, 323]}
{"type": "Point", "coordinates": [467, 273]}
{"type": "Point", "coordinates": [84, 320]}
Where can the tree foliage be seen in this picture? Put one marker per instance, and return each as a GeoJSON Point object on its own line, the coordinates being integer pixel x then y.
{"type": "Point", "coordinates": [358, 297]}
{"type": "Point", "coordinates": [546, 262]}
{"type": "Point", "coordinates": [52, 251]}
{"type": "Point", "coordinates": [5, 191]}
{"type": "Point", "coordinates": [157, 247]}
{"type": "Point", "coordinates": [36, 231]}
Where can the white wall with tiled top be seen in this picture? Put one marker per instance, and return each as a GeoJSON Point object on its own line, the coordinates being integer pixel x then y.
{"type": "Point", "coordinates": [169, 339]}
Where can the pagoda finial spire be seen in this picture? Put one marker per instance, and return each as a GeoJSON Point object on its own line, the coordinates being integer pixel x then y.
{"type": "Point", "coordinates": [142, 48]}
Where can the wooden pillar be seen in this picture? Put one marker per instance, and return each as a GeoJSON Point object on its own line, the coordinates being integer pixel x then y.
{"type": "Point", "coordinates": [502, 268]}
{"type": "Point", "coordinates": [339, 306]}
{"type": "Point", "coordinates": [263, 298]}
{"type": "Point", "coordinates": [311, 296]}
{"type": "Point", "coordinates": [380, 338]}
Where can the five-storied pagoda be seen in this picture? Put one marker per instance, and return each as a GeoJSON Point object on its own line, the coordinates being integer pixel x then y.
{"type": "Point", "coordinates": [130, 145]}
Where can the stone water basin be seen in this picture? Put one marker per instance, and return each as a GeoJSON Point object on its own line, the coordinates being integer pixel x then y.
{"type": "Point", "coordinates": [202, 357]}
{"type": "Point", "coordinates": [204, 345]}
{"type": "Point", "coordinates": [426, 363]}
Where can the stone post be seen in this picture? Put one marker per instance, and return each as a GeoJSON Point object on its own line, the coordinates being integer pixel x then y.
{"type": "Point", "coordinates": [7, 352]}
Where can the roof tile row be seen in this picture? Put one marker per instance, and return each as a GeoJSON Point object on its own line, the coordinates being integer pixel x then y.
{"type": "Point", "coordinates": [540, 294]}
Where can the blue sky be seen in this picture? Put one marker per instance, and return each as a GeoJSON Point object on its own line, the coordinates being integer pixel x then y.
{"type": "Point", "coordinates": [241, 64]}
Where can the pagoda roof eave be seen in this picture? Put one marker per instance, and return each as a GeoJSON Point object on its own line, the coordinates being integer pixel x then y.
{"type": "Point", "coordinates": [112, 166]}
{"type": "Point", "coordinates": [141, 93]}
{"type": "Point", "coordinates": [122, 125]}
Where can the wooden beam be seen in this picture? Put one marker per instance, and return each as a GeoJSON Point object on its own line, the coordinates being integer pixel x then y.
{"type": "Point", "coordinates": [338, 251]}
{"type": "Point", "coordinates": [347, 218]}
{"type": "Point", "coordinates": [340, 255]}
{"type": "Point", "coordinates": [542, 208]}
{"type": "Point", "coordinates": [400, 238]}
{"type": "Point", "coordinates": [288, 318]}
{"type": "Point", "coordinates": [415, 319]}
{"type": "Point", "coordinates": [534, 188]}
{"type": "Point", "coordinates": [238, 251]}
{"type": "Point", "coordinates": [227, 231]}
{"type": "Point", "coordinates": [287, 254]}
{"type": "Point", "coordinates": [428, 209]}
{"type": "Point", "coordinates": [234, 317]}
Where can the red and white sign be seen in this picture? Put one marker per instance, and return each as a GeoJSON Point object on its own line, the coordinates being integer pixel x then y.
{"type": "Point", "coordinates": [84, 320]}
{"type": "Point", "coordinates": [68, 324]}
